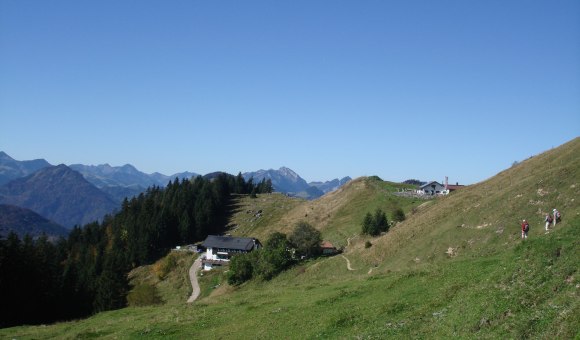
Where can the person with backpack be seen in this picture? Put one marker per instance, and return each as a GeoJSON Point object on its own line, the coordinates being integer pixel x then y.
{"type": "Point", "coordinates": [548, 221]}
{"type": "Point", "coordinates": [525, 229]}
{"type": "Point", "coordinates": [556, 216]}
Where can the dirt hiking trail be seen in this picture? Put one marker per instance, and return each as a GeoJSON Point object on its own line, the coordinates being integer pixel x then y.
{"type": "Point", "coordinates": [195, 267]}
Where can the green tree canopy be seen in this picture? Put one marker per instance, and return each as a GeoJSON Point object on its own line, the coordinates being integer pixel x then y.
{"type": "Point", "coordinates": [275, 257]}
{"type": "Point", "coordinates": [241, 268]}
{"type": "Point", "coordinates": [368, 224]}
{"type": "Point", "coordinates": [375, 224]}
{"type": "Point", "coordinates": [381, 223]}
{"type": "Point", "coordinates": [305, 239]}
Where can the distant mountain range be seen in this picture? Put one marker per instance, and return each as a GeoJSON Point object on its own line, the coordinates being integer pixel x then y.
{"type": "Point", "coordinates": [127, 175]}
{"type": "Point", "coordinates": [329, 186]}
{"type": "Point", "coordinates": [22, 221]}
{"type": "Point", "coordinates": [59, 194]}
{"type": "Point", "coordinates": [287, 181]}
{"type": "Point", "coordinates": [11, 169]}
{"type": "Point", "coordinates": [124, 181]}
{"type": "Point", "coordinates": [80, 194]}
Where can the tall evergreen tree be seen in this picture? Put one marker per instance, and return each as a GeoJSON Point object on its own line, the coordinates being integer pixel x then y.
{"type": "Point", "coordinates": [269, 187]}
{"type": "Point", "coordinates": [375, 224]}
{"type": "Point", "coordinates": [381, 224]}
{"type": "Point", "coordinates": [368, 224]}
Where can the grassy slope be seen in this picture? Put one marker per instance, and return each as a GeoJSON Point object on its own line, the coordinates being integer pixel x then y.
{"type": "Point", "coordinates": [273, 207]}
{"type": "Point", "coordinates": [173, 283]}
{"type": "Point", "coordinates": [485, 218]}
{"type": "Point", "coordinates": [495, 286]}
{"type": "Point", "coordinates": [338, 214]}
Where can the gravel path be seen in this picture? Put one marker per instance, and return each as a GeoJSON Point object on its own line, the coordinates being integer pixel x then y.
{"type": "Point", "coordinates": [193, 277]}
{"type": "Point", "coordinates": [347, 263]}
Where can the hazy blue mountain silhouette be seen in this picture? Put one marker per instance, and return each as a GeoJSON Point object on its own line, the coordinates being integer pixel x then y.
{"type": "Point", "coordinates": [119, 182]}
{"type": "Point", "coordinates": [127, 175]}
{"type": "Point", "coordinates": [11, 169]}
{"type": "Point", "coordinates": [22, 221]}
{"type": "Point", "coordinates": [283, 180]}
{"type": "Point", "coordinates": [329, 186]}
{"type": "Point", "coordinates": [287, 181]}
{"type": "Point", "coordinates": [59, 194]}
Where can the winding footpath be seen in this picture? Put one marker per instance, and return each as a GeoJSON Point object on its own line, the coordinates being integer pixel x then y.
{"type": "Point", "coordinates": [347, 263]}
{"type": "Point", "coordinates": [348, 266]}
{"type": "Point", "coordinates": [195, 267]}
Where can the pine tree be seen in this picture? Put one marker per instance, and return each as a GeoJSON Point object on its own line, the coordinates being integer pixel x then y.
{"type": "Point", "coordinates": [185, 228]}
{"type": "Point", "coordinates": [375, 224]}
{"type": "Point", "coordinates": [269, 186]}
{"type": "Point", "coordinates": [240, 184]}
{"type": "Point", "coordinates": [381, 224]}
{"type": "Point", "coordinates": [368, 224]}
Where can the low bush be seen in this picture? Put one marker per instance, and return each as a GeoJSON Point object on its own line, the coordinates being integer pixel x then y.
{"type": "Point", "coordinates": [398, 215]}
{"type": "Point", "coordinates": [165, 266]}
{"type": "Point", "coordinates": [143, 295]}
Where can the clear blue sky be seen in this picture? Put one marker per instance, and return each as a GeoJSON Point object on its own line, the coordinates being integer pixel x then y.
{"type": "Point", "coordinates": [398, 89]}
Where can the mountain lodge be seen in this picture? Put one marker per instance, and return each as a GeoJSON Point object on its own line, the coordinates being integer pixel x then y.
{"type": "Point", "coordinates": [435, 188]}
{"type": "Point", "coordinates": [221, 248]}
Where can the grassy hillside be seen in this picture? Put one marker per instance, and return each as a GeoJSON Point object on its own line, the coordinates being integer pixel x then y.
{"type": "Point", "coordinates": [258, 217]}
{"type": "Point", "coordinates": [485, 218]}
{"type": "Point", "coordinates": [169, 275]}
{"type": "Point", "coordinates": [338, 214]}
{"type": "Point", "coordinates": [455, 268]}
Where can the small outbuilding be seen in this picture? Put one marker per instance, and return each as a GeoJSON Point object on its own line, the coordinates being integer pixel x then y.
{"type": "Point", "coordinates": [450, 187]}
{"type": "Point", "coordinates": [328, 249]}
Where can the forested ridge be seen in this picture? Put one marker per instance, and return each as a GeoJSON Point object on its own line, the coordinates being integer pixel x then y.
{"type": "Point", "coordinates": [44, 282]}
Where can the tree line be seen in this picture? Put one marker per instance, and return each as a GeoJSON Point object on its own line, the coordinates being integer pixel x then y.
{"type": "Point", "coordinates": [44, 281]}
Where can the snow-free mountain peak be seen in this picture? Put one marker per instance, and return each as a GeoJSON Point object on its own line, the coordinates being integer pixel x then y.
{"type": "Point", "coordinates": [288, 181]}
{"type": "Point", "coordinates": [329, 186]}
{"type": "Point", "coordinates": [287, 172]}
{"type": "Point", "coordinates": [22, 221]}
{"type": "Point", "coordinates": [4, 156]}
{"type": "Point", "coordinates": [59, 194]}
{"type": "Point", "coordinates": [11, 169]}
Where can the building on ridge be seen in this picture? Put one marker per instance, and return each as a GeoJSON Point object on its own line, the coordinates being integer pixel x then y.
{"type": "Point", "coordinates": [431, 188]}
{"type": "Point", "coordinates": [435, 188]}
{"type": "Point", "coordinates": [450, 187]}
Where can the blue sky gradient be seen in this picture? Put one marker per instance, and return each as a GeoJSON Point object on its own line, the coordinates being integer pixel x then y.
{"type": "Point", "coordinates": [398, 89]}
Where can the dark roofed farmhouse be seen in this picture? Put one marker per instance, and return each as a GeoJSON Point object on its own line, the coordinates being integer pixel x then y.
{"type": "Point", "coordinates": [221, 248]}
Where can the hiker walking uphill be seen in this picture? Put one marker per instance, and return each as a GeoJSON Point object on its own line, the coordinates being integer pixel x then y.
{"type": "Point", "coordinates": [548, 220]}
{"type": "Point", "coordinates": [525, 229]}
{"type": "Point", "coordinates": [555, 216]}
